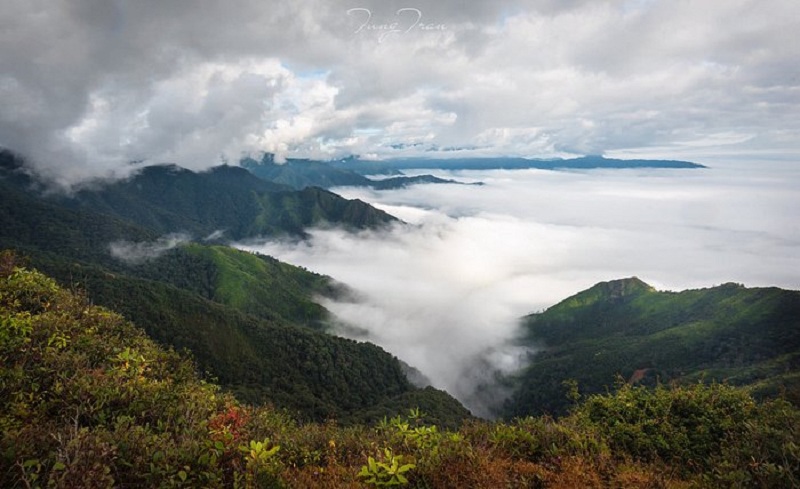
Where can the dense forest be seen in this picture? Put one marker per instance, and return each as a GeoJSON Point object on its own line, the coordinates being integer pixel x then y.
{"type": "Point", "coordinates": [249, 321]}
{"type": "Point", "coordinates": [729, 333]}
{"type": "Point", "coordinates": [88, 400]}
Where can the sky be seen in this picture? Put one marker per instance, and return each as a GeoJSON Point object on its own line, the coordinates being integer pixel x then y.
{"type": "Point", "coordinates": [446, 291]}
{"type": "Point", "coordinates": [91, 88]}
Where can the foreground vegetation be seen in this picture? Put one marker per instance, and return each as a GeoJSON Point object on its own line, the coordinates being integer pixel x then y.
{"type": "Point", "coordinates": [88, 400]}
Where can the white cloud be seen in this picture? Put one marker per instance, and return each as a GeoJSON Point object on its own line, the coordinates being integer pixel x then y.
{"type": "Point", "coordinates": [88, 85]}
{"type": "Point", "coordinates": [445, 291]}
{"type": "Point", "coordinates": [136, 253]}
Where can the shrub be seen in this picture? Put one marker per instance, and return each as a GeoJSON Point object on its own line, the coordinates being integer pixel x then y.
{"type": "Point", "coordinates": [685, 426]}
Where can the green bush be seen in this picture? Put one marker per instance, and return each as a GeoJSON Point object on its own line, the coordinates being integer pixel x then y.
{"type": "Point", "coordinates": [715, 430]}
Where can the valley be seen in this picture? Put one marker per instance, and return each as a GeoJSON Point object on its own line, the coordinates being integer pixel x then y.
{"type": "Point", "coordinates": [340, 334]}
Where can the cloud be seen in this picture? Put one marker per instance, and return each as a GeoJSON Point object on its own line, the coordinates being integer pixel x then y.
{"type": "Point", "coordinates": [445, 291]}
{"type": "Point", "coordinates": [87, 86]}
{"type": "Point", "coordinates": [427, 294]}
{"type": "Point", "coordinates": [137, 253]}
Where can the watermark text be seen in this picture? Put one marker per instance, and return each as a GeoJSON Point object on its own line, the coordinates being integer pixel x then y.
{"type": "Point", "coordinates": [404, 21]}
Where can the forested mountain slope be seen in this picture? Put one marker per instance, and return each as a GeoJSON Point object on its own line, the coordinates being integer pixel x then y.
{"type": "Point", "coordinates": [249, 320]}
{"type": "Point", "coordinates": [227, 199]}
{"type": "Point", "coordinates": [88, 401]}
{"type": "Point", "coordinates": [730, 333]}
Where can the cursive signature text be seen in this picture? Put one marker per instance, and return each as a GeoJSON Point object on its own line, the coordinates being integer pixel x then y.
{"type": "Point", "coordinates": [405, 20]}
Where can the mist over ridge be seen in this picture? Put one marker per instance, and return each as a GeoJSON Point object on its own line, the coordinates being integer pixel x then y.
{"type": "Point", "coordinates": [444, 292]}
{"type": "Point", "coordinates": [98, 90]}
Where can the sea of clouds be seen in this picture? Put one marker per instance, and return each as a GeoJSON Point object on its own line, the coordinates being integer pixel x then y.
{"type": "Point", "coordinates": [444, 291]}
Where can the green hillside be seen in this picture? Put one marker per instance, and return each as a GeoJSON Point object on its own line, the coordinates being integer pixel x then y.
{"type": "Point", "coordinates": [743, 336]}
{"type": "Point", "coordinates": [270, 359]}
{"type": "Point", "coordinates": [54, 236]}
{"type": "Point", "coordinates": [258, 345]}
{"type": "Point", "coordinates": [170, 199]}
{"type": "Point", "coordinates": [250, 321]}
{"type": "Point", "coordinates": [30, 222]}
{"type": "Point", "coordinates": [88, 401]}
{"type": "Point", "coordinates": [248, 282]}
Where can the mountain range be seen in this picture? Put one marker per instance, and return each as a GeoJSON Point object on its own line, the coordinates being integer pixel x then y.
{"type": "Point", "coordinates": [300, 174]}
{"type": "Point", "coordinates": [250, 321]}
{"type": "Point", "coordinates": [355, 172]}
{"type": "Point", "coordinates": [626, 329]}
{"type": "Point", "coordinates": [88, 400]}
{"type": "Point", "coordinates": [90, 397]}
{"type": "Point", "coordinates": [153, 247]}
{"type": "Point", "coordinates": [392, 166]}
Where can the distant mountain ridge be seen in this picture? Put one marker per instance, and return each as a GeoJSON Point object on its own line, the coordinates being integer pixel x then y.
{"type": "Point", "coordinates": [168, 198]}
{"type": "Point", "coordinates": [226, 199]}
{"type": "Point", "coordinates": [301, 173]}
{"type": "Point", "coordinates": [355, 172]}
{"type": "Point", "coordinates": [745, 336]}
{"type": "Point", "coordinates": [367, 167]}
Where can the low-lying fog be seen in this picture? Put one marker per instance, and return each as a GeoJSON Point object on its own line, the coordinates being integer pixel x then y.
{"type": "Point", "coordinates": [445, 292]}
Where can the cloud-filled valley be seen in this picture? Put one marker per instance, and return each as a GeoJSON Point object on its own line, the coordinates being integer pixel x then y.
{"type": "Point", "coordinates": [444, 291]}
{"type": "Point", "coordinates": [99, 89]}
{"type": "Point", "coordinates": [428, 243]}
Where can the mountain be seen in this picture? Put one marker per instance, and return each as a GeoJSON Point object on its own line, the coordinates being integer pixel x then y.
{"type": "Point", "coordinates": [728, 333]}
{"type": "Point", "coordinates": [31, 221]}
{"type": "Point", "coordinates": [250, 321]}
{"type": "Point", "coordinates": [271, 357]}
{"type": "Point", "coordinates": [251, 283]}
{"type": "Point", "coordinates": [300, 174]}
{"type": "Point", "coordinates": [41, 226]}
{"type": "Point", "coordinates": [88, 400]}
{"type": "Point", "coordinates": [168, 198]}
{"type": "Point", "coordinates": [369, 167]}
{"type": "Point", "coordinates": [403, 182]}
